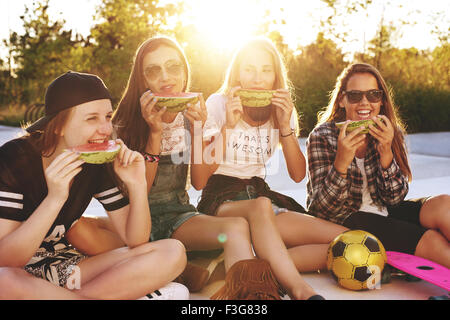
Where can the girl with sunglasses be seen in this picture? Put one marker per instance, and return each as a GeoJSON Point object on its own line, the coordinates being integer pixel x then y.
{"type": "Point", "coordinates": [360, 180]}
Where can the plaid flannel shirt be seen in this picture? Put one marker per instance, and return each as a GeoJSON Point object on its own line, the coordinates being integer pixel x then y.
{"type": "Point", "coordinates": [334, 198]}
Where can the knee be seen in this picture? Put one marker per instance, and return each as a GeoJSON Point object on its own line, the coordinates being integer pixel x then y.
{"type": "Point", "coordinates": [436, 211]}
{"type": "Point", "coordinates": [262, 209]}
{"type": "Point", "coordinates": [427, 242]}
{"type": "Point", "coordinates": [11, 283]}
{"type": "Point", "coordinates": [236, 226]}
{"type": "Point", "coordinates": [174, 253]}
{"type": "Point", "coordinates": [440, 203]}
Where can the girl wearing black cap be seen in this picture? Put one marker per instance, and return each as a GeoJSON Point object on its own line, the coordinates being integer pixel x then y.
{"type": "Point", "coordinates": [45, 188]}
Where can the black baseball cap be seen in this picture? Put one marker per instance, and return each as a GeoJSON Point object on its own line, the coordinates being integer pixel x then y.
{"type": "Point", "coordinates": [69, 90]}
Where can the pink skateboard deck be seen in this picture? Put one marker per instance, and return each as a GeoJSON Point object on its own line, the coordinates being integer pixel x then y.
{"type": "Point", "coordinates": [420, 268]}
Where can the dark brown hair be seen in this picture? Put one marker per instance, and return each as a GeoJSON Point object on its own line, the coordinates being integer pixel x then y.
{"type": "Point", "coordinates": [334, 113]}
{"type": "Point", "coordinates": [129, 123]}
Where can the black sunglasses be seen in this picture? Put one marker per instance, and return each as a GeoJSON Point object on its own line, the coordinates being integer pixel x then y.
{"type": "Point", "coordinates": [355, 96]}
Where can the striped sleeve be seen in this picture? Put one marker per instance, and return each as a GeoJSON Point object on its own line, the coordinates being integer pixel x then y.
{"type": "Point", "coordinates": [11, 204]}
{"type": "Point", "coordinates": [109, 195]}
{"type": "Point", "coordinates": [112, 199]}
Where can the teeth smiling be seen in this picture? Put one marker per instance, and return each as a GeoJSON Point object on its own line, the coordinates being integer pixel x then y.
{"type": "Point", "coordinates": [96, 141]}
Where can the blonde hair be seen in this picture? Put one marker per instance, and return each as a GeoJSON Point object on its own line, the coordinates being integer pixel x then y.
{"type": "Point", "coordinates": [281, 79]}
{"type": "Point", "coordinates": [334, 113]}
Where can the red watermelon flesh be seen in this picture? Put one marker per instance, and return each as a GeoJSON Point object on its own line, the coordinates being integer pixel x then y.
{"type": "Point", "coordinates": [98, 153]}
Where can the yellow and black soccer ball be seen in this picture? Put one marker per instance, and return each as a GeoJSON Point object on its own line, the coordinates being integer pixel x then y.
{"type": "Point", "coordinates": [356, 260]}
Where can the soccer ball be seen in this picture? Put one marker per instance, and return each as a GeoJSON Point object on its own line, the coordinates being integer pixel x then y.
{"type": "Point", "coordinates": [356, 259]}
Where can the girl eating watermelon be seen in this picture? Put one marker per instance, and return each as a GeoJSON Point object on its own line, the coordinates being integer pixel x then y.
{"type": "Point", "coordinates": [360, 180]}
{"type": "Point", "coordinates": [44, 189]}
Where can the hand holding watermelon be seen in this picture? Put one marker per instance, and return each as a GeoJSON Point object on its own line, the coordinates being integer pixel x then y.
{"type": "Point", "coordinates": [383, 132]}
{"type": "Point", "coordinates": [284, 106]}
{"type": "Point", "coordinates": [129, 166]}
{"type": "Point", "coordinates": [197, 111]}
{"type": "Point", "coordinates": [60, 173]}
{"type": "Point", "coordinates": [348, 143]}
{"type": "Point", "coordinates": [151, 115]}
{"type": "Point", "coordinates": [234, 108]}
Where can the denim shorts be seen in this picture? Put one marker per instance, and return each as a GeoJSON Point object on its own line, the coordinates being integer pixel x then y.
{"type": "Point", "coordinates": [250, 194]}
{"type": "Point", "coordinates": [168, 217]}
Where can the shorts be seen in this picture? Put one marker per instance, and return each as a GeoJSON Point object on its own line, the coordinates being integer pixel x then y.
{"type": "Point", "coordinates": [55, 267]}
{"type": "Point", "coordinates": [399, 231]}
{"type": "Point", "coordinates": [250, 194]}
{"type": "Point", "coordinates": [164, 226]}
{"type": "Point", "coordinates": [168, 217]}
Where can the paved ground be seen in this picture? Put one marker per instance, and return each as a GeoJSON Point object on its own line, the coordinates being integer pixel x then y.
{"type": "Point", "coordinates": [430, 163]}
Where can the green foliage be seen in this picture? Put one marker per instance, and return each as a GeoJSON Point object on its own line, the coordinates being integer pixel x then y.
{"type": "Point", "coordinates": [41, 53]}
{"type": "Point", "coordinates": [420, 78]}
{"type": "Point", "coordinates": [123, 25]}
{"type": "Point", "coordinates": [313, 74]}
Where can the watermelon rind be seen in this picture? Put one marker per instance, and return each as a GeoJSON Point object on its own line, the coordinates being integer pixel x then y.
{"type": "Point", "coordinates": [356, 124]}
{"type": "Point", "coordinates": [174, 103]}
{"type": "Point", "coordinates": [255, 98]}
{"type": "Point", "coordinates": [99, 156]}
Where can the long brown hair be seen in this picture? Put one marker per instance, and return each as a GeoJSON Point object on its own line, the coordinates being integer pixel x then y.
{"type": "Point", "coordinates": [127, 118]}
{"type": "Point", "coordinates": [281, 79]}
{"type": "Point", "coordinates": [46, 140]}
{"type": "Point", "coordinates": [334, 113]}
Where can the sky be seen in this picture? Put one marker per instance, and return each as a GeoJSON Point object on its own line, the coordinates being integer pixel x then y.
{"type": "Point", "coordinates": [226, 23]}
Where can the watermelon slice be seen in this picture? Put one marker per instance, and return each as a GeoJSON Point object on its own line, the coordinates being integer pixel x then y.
{"type": "Point", "coordinates": [98, 153]}
{"type": "Point", "coordinates": [176, 102]}
{"type": "Point", "coordinates": [255, 98]}
{"type": "Point", "coordinates": [356, 124]}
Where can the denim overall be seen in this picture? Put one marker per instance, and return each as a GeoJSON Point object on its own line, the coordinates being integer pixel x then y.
{"type": "Point", "coordinates": [168, 198]}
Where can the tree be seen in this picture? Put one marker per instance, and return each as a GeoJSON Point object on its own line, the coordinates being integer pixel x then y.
{"type": "Point", "coordinates": [122, 26]}
{"type": "Point", "coordinates": [41, 53]}
{"type": "Point", "coordinates": [313, 73]}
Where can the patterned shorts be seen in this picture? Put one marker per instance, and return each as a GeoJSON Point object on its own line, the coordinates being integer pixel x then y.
{"type": "Point", "coordinates": [55, 267]}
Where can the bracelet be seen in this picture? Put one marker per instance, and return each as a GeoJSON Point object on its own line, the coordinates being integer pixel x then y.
{"type": "Point", "coordinates": [287, 135]}
{"type": "Point", "coordinates": [150, 157]}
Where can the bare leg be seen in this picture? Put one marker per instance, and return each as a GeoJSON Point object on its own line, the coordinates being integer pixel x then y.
{"type": "Point", "coordinates": [127, 273]}
{"type": "Point", "coordinates": [316, 257]}
{"type": "Point", "coordinates": [307, 238]}
{"type": "Point", "coordinates": [433, 246]}
{"type": "Point", "coordinates": [435, 214]}
{"type": "Point", "coordinates": [268, 243]}
{"type": "Point", "coordinates": [17, 284]}
{"type": "Point", "coordinates": [300, 229]}
{"type": "Point", "coordinates": [202, 233]}
{"type": "Point", "coordinates": [94, 235]}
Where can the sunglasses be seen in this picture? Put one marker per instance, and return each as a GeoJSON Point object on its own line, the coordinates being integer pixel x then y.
{"type": "Point", "coordinates": [356, 96]}
{"type": "Point", "coordinates": [154, 72]}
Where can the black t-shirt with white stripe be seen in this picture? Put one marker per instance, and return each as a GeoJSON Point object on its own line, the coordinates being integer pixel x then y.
{"type": "Point", "coordinates": [23, 187]}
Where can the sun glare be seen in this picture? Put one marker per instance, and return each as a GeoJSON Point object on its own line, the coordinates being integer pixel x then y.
{"type": "Point", "coordinates": [225, 24]}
